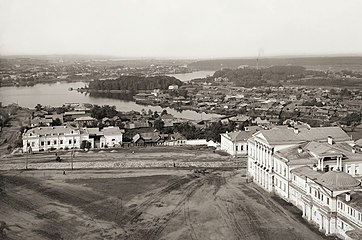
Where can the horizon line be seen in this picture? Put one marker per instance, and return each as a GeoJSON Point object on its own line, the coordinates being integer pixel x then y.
{"type": "Point", "coordinates": [183, 58]}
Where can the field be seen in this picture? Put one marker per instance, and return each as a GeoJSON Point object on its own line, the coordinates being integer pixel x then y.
{"type": "Point", "coordinates": [143, 204]}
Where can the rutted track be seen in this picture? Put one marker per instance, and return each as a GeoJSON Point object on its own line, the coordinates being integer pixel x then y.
{"type": "Point", "coordinates": [215, 205]}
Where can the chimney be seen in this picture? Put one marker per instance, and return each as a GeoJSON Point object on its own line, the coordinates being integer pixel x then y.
{"type": "Point", "coordinates": [353, 150]}
{"type": "Point", "coordinates": [300, 149]}
{"type": "Point", "coordinates": [348, 197]}
{"type": "Point", "coordinates": [296, 130]}
{"type": "Point", "coordinates": [330, 140]}
{"type": "Point", "coordinates": [246, 129]}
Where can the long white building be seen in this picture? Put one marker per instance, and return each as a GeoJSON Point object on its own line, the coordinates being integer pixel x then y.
{"type": "Point", "coordinates": [57, 137]}
{"type": "Point", "coordinates": [67, 137]}
{"type": "Point", "coordinates": [316, 169]}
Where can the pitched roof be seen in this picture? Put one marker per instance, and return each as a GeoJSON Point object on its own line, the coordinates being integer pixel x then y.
{"type": "Point", "coordinates": [85, 118]}
{"type": "Point", "coordinates": [52, 130]}
{"type": "Point", "coordinates": [335, 180]}
{"type": "Point", "coordinates": [359, 142]}
{"type": "Point", "coordinates": [111, 131]}
{"type": "Point", "coordinates": [242, 135]}
{"type": "Point", "coordinates": [322, 149]}
{"type": "Point", "coordinates": [295, 156]}
{"type": "Point", "coordinates": [283, 134]}
{"type": "Point", "coordinates": [306, 171]}
{"type": "Point", "coordinates": [355, 201]}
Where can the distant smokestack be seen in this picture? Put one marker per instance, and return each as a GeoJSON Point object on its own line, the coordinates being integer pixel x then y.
{"type": "Point", "coordinates": [348, 197]}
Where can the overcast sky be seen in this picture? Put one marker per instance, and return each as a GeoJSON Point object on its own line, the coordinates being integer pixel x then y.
{"type": "Point", "coordinates": [181, 28]}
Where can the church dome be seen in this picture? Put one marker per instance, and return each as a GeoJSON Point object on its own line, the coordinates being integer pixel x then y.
{"type": "Point", "coordinates": [338, 181]}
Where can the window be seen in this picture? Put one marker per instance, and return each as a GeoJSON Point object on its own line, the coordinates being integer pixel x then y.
{"type": "Point", "coordinates": [75, 141]}
{"type": "Point", "coordinates": [48, 143]}
{"type": "Point", "coordinates": [356, 170]}
{"type": "Point", "coordinates": [236, 148]}
{"type": "Point", "coordinates": [55, 142]}
{"type": "Point", "coordinates": [61, 141]}
{"type": "Point", "coordinates": [70, 141]}
{"type": "Point", "coordinates": [327, 200]}
{"type": "Point", "coordinates": [42, 143]}
{"type": "Point", "coordinates": [33, 144]}
{"type": "Point", "coordinates": [241, 148]}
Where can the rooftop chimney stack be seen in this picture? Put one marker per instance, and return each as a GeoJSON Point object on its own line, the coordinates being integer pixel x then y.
{"type": "Point", "coordinates": [296, 130]}
{"type": "Point", "coordinates": [353, 150]}
{"type": "Point", "coordinates": [348, 197]}
{"type": "Point", "coordinates": [300, 149]}
{"type": "Point", "coordinates": [330, 140]}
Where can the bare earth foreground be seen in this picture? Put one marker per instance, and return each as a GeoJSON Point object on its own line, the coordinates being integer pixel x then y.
{"type": "Point", "coordinates": [142, 204]}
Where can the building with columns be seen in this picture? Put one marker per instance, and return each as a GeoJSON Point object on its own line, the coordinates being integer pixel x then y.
{"type": "Point", "coordinates": [325, 200]}
{"type": "Point", "coordinates": [263, 145]}
{"type": "Point", "coordinates": [315, 169]}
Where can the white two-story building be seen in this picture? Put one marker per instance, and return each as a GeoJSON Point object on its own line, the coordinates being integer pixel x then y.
{"type": "Point", "coordinates": [57, 137]}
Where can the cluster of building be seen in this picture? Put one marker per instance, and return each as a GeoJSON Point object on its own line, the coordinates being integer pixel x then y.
{"type": "Point", "coordinates": [319, 170]}
{"type": "Point", "coordinates": [27, 71]}
{"type": "Point", "coordinates": [76, 128]}
{"type": "Point", "coordinates": [319, 107]}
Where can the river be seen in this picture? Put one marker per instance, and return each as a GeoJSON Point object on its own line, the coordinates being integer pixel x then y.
{"type": "Point", "coordinates": [189, 76]}
{"type": "Point", "coordinates": [57, 94]}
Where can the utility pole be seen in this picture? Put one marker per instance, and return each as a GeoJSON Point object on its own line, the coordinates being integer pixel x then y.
{"type": "Point", "coordinates": [29, 150]}
{"type": "Point", "coordinates": [71, 158]}
{"type": "Point", "coordinates": [26, 162]}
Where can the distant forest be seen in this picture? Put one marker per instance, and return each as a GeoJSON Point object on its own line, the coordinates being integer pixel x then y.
{"type": "Point", "coordinates": [135, 83]}
{"type": "Point", "coordinates": [290, 75]}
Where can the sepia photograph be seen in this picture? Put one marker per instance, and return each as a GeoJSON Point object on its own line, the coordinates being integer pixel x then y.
{"type": "Point", "coordinates": [180, 120]}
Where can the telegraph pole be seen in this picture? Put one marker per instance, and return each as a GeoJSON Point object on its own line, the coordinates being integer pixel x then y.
{"type": "Point", "coordinates": [71, 158]}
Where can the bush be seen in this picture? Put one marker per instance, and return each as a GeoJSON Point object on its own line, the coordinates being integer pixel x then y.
{"type": "Point", "coordinates": [52, 149]}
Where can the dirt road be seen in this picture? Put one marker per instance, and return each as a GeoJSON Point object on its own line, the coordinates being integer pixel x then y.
{"type": "Point", "coordinates": [11, 133]}
{"type": "Point", "coordinates": [142, 204]}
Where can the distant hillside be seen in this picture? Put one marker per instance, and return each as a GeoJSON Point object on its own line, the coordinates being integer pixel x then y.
{"type": "Point", "coordinates": [286, 75]}
{"type": "Point", "coordinates": [313, 63]}
{"type": "Point", "coordinates": [135, 83]}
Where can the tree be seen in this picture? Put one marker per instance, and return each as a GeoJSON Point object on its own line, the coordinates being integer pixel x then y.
{"type": "Point", "coordinates": [345, 92]}
{"type": "Point", "coordinates": [38, 107]}
{"type": "Point", "coordinates": [214, 131]}
{"type": "Point", "coordinates": [85, 144]}
{"type": "Point", "coordinates": [159, 124]}
{"type": "Point", "coordinates": [155, 115]}
{"type": "Point", "coordinates": [164, 112]}
{"type": "Point", "coordinates": [57, 122]}
{"type": "Point", "coordinates": [353, 119]}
